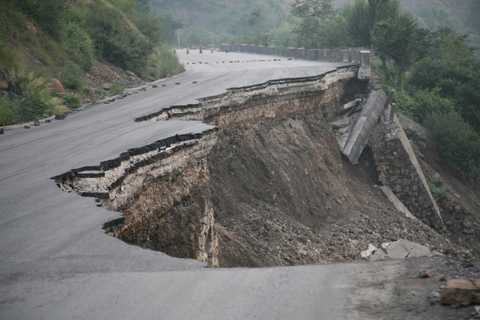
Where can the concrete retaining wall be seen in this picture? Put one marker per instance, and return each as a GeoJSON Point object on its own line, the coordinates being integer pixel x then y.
{"type": "Point", "coordinates": [399, 169]}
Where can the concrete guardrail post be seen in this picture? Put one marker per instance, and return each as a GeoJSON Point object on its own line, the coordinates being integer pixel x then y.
{"type": "Point", "coordinates": [365, 58]}
{"type": "Point", "coordinates": [392, 112]}
{"type": "Point", "coordinates": [389, 98]}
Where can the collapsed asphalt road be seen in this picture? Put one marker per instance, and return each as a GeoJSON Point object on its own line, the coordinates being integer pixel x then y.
{"type": "Point", "coordinates": [56, 262]}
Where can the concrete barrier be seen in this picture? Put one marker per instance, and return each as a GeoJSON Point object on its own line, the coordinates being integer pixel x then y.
{"type": "Point", "coordinates": [353, 55]}
{"type": "Point", "coordinates": [290, 52]}
{"type": "Point", "coordinates": [300, 53]}
{"type": "Point", "coordinates": [261, 49]}
{"type": "Point", "coordinates": [310, 54]}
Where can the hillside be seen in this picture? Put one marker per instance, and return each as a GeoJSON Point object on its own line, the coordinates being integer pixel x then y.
{"type": "Point", "coordinates": [56, 56]}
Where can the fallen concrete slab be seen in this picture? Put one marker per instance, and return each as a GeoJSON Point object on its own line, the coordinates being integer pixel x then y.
{"type": "Point", "coordinates": [358, 138]}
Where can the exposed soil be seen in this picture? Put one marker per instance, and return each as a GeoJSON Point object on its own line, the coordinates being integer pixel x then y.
{"type": "Point", "coordinates": [283, 195]}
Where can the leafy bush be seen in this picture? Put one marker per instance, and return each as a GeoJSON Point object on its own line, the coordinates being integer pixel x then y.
{"type": "Point", "coordinates": [467, 96]}
{"type": "Point", "coordinates": [117, 88]}
{"type": "Point", "coordinates": [71, 101]}
{"type": "Point", "coordinates": [72, 77]}
{"type": "Point", "coordinates": [32, 98]}
{"type": "Point", "coordinates": [8, 111]}
{"type": "Point", "coordinates": [427, 102]}
{"type": "Point", "coordinates": [150, 26]}
{"type": "Point", "coordinates": [78, 44]}
{"type": "Point", "coordinates": [34, 103]}
{"type": "Point", "coordinates": [9, 21]}
{"type": "Point", "coordinates": [48, 14]}
{"type": "Point", "coordinates": [406, 103]}
{"type": "Point", "coordinates": [423, 103]}
{"type": "Point", "coordinates": [163, 63]}
{"type": "Point", "coordinates": [456, 139]}
{"type": "Point", "coordinates": [116, 39]}
{"type": "Point", "coordinates": [437, 188]}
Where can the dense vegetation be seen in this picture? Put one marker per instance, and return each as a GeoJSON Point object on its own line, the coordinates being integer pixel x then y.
{"type": "Point", "coordinates": [68, 36]}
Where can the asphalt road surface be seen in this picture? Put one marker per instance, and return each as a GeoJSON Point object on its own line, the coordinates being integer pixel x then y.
{"type": "Point", "coordinates": [56, 262]}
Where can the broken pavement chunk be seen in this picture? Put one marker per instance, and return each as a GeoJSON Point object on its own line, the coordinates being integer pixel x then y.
{"type": "Point", "coordinates": [348, 106]}
{"type": "Point", "coordinates": [340, 123]}
{"type": "Point", "coordinates": [460, 292]}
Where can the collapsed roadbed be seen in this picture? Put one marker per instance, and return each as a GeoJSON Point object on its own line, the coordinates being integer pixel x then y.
{"type": "Point", "coordinates": [268, 186]}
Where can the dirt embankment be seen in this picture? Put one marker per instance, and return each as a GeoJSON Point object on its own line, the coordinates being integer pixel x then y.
{"type": "Point", "coordinates": [283, 195]}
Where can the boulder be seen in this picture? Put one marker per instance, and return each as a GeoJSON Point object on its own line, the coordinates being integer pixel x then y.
{"type": "Point", "coordinates": [460, 292]}
{"type": "Point", "coordinates": [401, 249]}
{"type": "Point", "coordinates": [106, 86]}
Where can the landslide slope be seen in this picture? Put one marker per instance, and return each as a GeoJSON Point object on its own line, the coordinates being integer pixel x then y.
{"type": "Point", "coordinates": [283, 194]}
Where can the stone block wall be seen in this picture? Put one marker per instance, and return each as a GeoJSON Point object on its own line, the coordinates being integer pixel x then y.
{"type": "Point", "coordinates": [398, 168]}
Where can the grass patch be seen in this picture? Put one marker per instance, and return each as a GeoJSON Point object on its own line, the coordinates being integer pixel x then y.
{"type": "Point", "coordinates": [117, 88]}
{"type": "Point", "coordinates": [72, 77]}
{"type": "Point", "coordinates": [71, 101]}
{"type": "Point", "coordinates": [162, 63]}
{"type": "Point", "coordinates": [8, 111]}
{"type": "Point", "coordinates": [437, 188]}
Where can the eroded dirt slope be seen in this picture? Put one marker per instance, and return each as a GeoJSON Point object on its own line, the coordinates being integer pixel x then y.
{"type": "Point", "coordinates": [283, 195]}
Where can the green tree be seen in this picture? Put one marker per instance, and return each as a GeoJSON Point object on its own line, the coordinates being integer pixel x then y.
{"type": "Point", "coordinates": [363, 16]}
{"type": "Point", "coordinates": [400, 43]}
{"type": "Point", "coordinates": [334, 32]}
{"type": "Point", "coordinates": [456, 139]}
{"type": "Point", "coordinates": [318, 9]}
{"type": "Point", "coordinates": [453, 69]}
{"type": "Point", "coordinates": [312, 14]}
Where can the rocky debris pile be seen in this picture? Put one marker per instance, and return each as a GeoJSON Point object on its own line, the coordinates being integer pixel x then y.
{"type": "Point", "coordinates": [271, 238]}
{"type": "Point", "coordinates": [103, 76]}
{"type": "Point", "coordinates": [399, 249]}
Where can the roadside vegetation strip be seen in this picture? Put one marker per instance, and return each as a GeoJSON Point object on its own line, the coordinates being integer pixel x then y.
{"type": "Point", "coordinates": [64, 41]}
